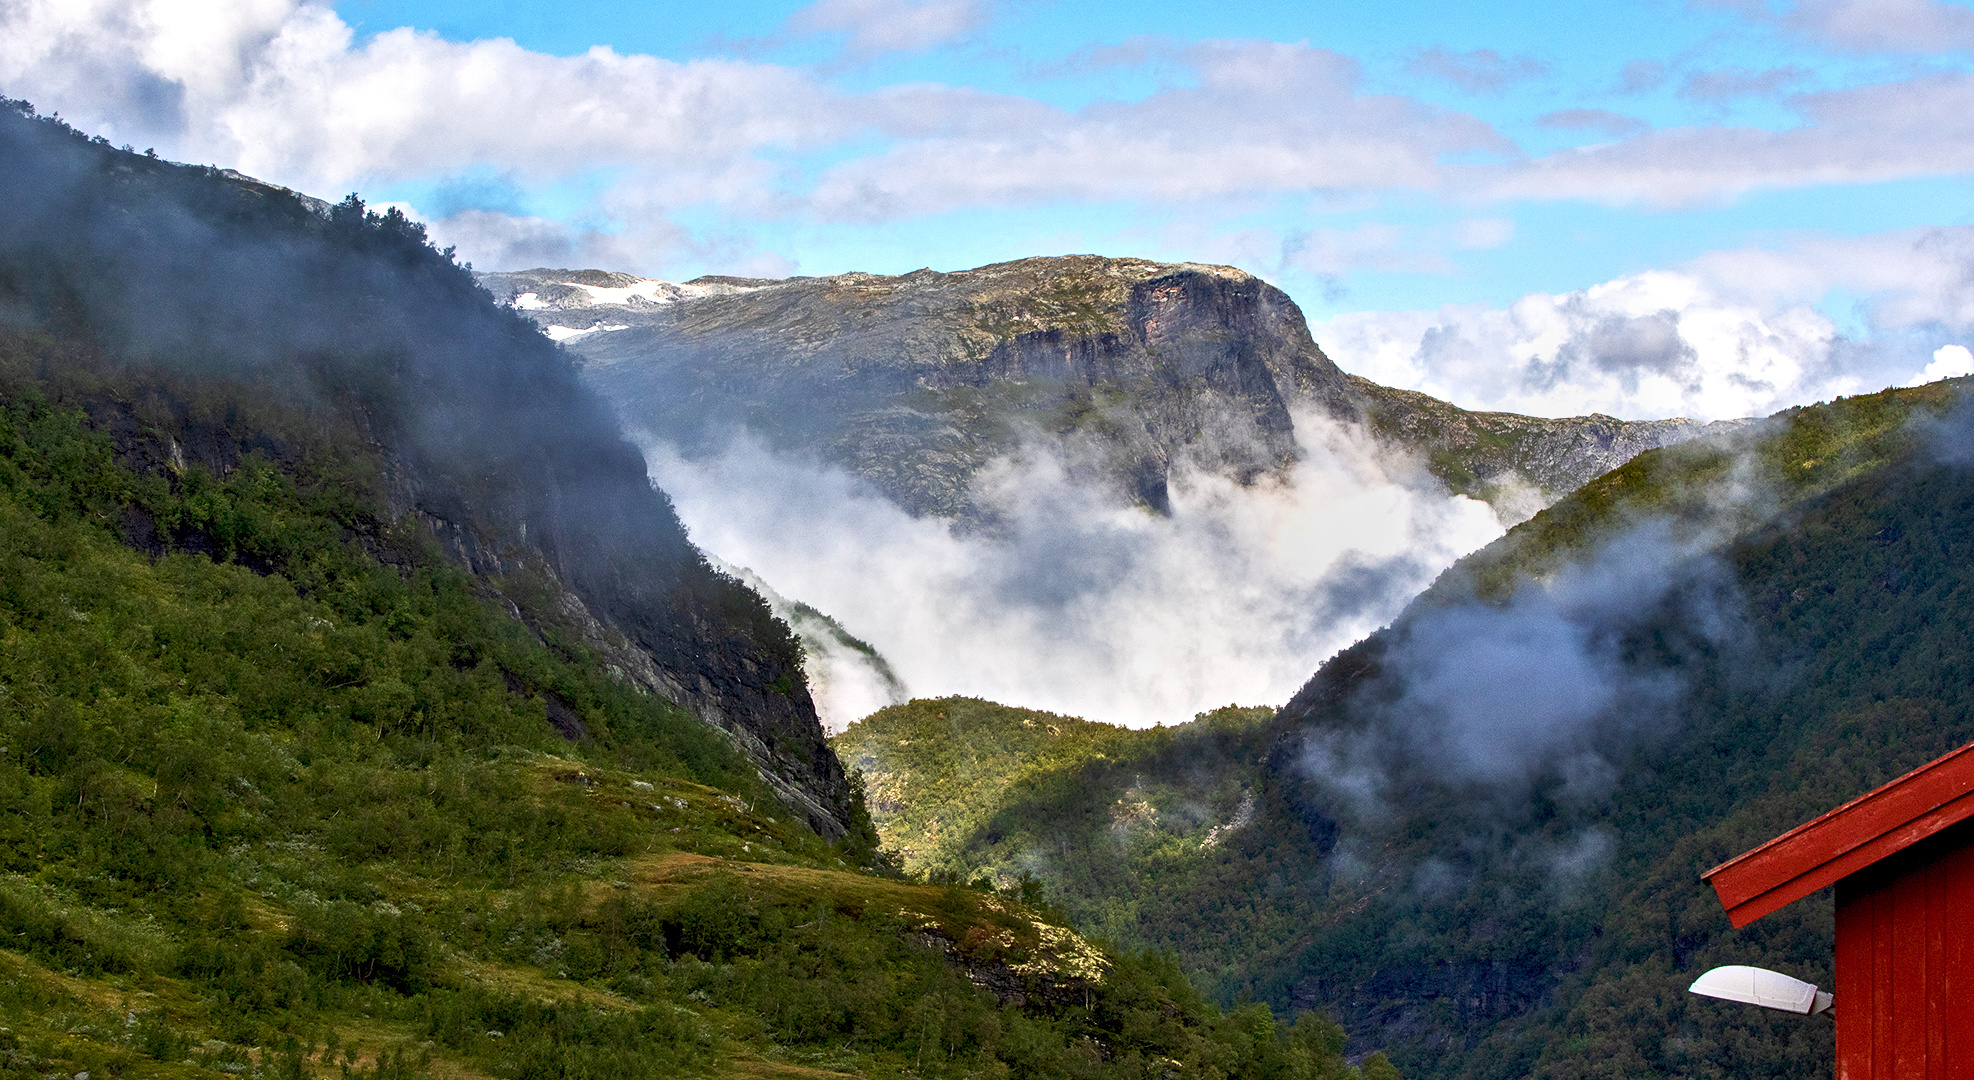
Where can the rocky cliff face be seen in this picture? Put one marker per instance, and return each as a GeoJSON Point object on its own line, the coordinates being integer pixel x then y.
{"type": "Point", "coordinates": [916, 381]}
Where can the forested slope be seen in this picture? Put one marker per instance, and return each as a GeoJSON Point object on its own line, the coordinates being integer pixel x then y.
{"type": "Point", "coordinates": [1477, 835]}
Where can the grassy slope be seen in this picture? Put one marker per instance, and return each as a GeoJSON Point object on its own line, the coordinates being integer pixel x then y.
{"type": "Point", "coordinates": [935, 769]}
{"type": "Point", "coordinates": [1850, 543]}
{"type": "Point", "coordinates": [1094, 814]}
{"type": "Point", "coordinates": [1725, 485]}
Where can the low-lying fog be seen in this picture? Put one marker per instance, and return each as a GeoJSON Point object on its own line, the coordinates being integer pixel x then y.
{"type": "Point", "coordinates": [1086, 605]}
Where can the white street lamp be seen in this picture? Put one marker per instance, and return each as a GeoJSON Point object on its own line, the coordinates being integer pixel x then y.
{"type": "Point", "coordinates": [1760, 986]}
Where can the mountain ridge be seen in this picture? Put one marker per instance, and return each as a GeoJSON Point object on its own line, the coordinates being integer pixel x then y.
{"type": "Point", "coordinates": [1146, 366]}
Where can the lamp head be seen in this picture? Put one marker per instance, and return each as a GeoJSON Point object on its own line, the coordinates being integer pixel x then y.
{"type": "Point", "coordinates": [1760, 986]}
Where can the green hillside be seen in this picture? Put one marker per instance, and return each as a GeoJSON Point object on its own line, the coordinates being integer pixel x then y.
{"type": "Point", "coordinates": [952, 784]}
{"type": "Point", "coordinates": [1803, 639]}
{"type": "Point", "coordinates": [300, 777]}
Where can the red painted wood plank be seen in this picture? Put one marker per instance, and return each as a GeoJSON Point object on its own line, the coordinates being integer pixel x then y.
{"type": "Point", "coordinates": [1905, 965]}
{"type": "Point", "coordinates": [1907, 1022]}
{"type": "Point", "coordinates": [1854, 981]}
{"type": "Point", "coordinates": [1933, 884]}
{"type": "Point", "coordinates": [1812, 848]}
{"type": "Point", "coordinates": [1957, 969]}
{"type": "Point", "coordinates": [1884, 1060]}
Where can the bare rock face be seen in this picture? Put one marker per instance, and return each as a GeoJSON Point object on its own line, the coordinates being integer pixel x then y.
{"type": "Point", "coordinates": [916, 381]}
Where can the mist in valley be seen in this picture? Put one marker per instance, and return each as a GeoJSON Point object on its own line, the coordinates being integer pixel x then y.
{"type": "Point", "coordinates": [1082, 603]}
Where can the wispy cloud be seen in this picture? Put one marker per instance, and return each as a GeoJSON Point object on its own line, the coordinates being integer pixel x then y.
{"type": "Point", "coordinates": [1261, 118]}
{"type": "Point", "coordinates": [1601, 121]}
{"type": "Point", "coordinates": [1477, 71]}
{"type": "Point", "coordinates": [1870, 26]}
{"type": "Point", "coordinates": [1922, 126]}
{"type": "Point", "coordinates": [1727, 84]}
{"type": "Point", "coordinates": [1641, 76]}
{"type": "Point", "coordinates": [874, 27]}
{"type": "Point", "coordinates": [283, 89]}
{"type": "Point", "coordinates": [289, 94]}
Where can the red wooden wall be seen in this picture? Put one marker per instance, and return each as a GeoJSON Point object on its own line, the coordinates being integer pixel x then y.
{"type": "Point", "coordinates": [1905, 964]}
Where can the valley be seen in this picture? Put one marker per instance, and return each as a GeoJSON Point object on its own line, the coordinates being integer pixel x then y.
{"type": "Point", "coordinates": [368, 714]}
{"type": "Point", "coordinates": [390, 689]}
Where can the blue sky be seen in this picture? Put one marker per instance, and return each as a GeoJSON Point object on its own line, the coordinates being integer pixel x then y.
{"type": "Point", "coordinates": [1689, 66]}
{"type": "Point", "coordinates": [1497, 203]}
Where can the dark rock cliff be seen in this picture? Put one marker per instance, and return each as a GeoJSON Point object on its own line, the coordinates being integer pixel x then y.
{"type": "Point", "coordinates": [489, 437]}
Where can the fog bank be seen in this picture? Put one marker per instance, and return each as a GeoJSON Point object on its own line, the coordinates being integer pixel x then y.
{"type": "Point", "coordinates": [1086, 605]}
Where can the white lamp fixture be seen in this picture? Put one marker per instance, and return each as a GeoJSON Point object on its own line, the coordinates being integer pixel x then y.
{"type": "Point", "coordinates": [1760, 986]}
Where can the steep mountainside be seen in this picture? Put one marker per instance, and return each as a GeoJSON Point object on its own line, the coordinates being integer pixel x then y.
{"type": "Point", "coordinates": [1477, 835]}
{"type": "Point", "coordinates": [317, 763]}
{"type": "Point", "coordinates": [485, 434]}
{"type": "Point", "coordinates": [1133, 367]}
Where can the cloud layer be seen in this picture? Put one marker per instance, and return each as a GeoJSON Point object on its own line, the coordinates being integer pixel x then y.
{"type": "Point", "coordinates": [1086, 606]}
{"type": "Point", "coordinates": [283, 89]}
{"type": "Point", "coordinates": [1731, 335]}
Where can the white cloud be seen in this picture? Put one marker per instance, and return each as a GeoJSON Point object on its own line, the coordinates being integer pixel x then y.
{"type": "Point", "coordinates": [1731, 334]}
{"type": "Point", "coordinates": [1369, 246]}
{"type": "Point", "coordinates": [875, 27]}
{"type": "Point", "coordinates": [1907, 278]}
{"type": "Point", "coordinates": [1477, 71]}
{"type": "Point", "coordinates": [1262, 118]}
{"type": "Point", "coordinates": [1600, 121]}
{"type": "Point", "coordinates": [1949, 362]}
{"type": "Point", "coordinates": [1917, 127]}
{"type": "Point", "coordinates": [1653, 345]}
{"type": "Point", "coordinates": [281, 89]}
{"type": "Point", "coordinates": [1883, 26]}
{"type": "Point", "coordinates": [1480, 234]}
{"type": "Point", "coordinates": [1086, 606]}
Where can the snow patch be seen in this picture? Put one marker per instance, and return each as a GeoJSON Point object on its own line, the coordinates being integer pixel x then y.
{"type": "Point", "coordinates": [569, 333]}
{"type": "Point", "coordinates": [649, 290]}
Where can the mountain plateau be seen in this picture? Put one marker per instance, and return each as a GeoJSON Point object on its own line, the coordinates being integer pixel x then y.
{"type": "Point", "coordinates": [1134, 369]}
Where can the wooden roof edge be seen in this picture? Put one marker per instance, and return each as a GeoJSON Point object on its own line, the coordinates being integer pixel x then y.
{"type": "Point", "coordinates": [1744, 909]}
{"type": "Point", "coordinates": [1875, 795]}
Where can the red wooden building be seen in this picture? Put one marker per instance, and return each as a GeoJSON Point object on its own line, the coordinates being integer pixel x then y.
{"type": "Point", "coordinates": [1902, 858]}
